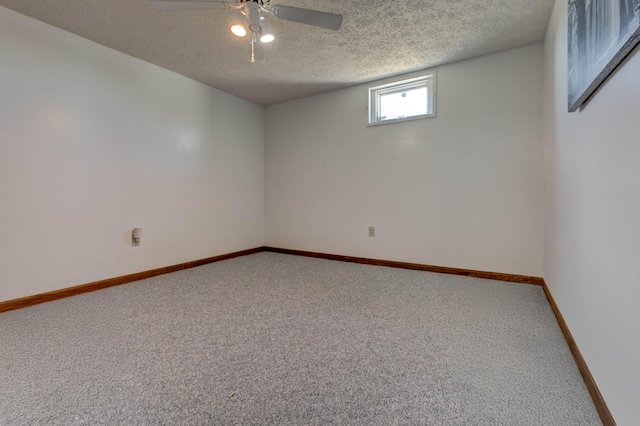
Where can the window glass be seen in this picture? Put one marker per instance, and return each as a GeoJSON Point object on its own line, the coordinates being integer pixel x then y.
{"type": "Point", "coordinates": [402, 100]}
{"type": "Point", "coordinates": [403, 104]}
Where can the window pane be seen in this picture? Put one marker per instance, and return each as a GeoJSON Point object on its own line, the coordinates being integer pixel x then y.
{"type": "Point", "coordinates": [402, 100]}
{"type": "Point", "coordinates": [403, 104]}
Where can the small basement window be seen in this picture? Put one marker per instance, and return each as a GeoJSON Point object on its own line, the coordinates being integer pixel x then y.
{"type": "Point", "coordinates": [403, 100]}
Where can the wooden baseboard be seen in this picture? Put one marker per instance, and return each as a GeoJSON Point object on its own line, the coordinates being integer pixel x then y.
{"type": "Point", "coordinates": [523, 279]}
{"type": "Point", "coordinates": [601, 406]}
{"type": "Point", "coordinates": [592, 387]}
{"type": "Point", "coordinates": [598, 400]}
{"type": "Point", "coordinates": [24, 302]}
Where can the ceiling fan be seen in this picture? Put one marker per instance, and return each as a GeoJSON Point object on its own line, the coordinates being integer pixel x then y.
{"type": "Point", "coordinates": [249, 21]}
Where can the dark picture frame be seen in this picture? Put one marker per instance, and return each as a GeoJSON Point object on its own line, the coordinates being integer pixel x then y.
{"type": "Point", "coordinates": [601, 34]}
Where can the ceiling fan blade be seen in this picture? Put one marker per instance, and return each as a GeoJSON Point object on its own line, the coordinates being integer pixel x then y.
{"type": "Point", "coordinates": [191, 4]}
{"type": "Point", "coordinates": [330, 21]}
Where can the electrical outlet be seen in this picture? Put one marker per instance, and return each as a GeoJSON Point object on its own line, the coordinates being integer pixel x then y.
{"type": "Point", "coordinates": [136, 235]}
{"type": "Point", "coordinates": [372, 231]}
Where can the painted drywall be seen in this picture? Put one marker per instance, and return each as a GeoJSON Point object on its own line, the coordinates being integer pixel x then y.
{"type": "Point", "coordinates": [592, 238]}
{"type": "Point", "coordinates": [464, 189]}
{"type": "Point", "coordinates": [94, 143]}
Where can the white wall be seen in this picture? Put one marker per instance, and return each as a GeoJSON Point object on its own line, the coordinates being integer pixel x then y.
{"type": "Point", "coordinates": [592, 241]}
{"type": "Point", "coordinates": [94, 143]}
{"type": "Point", "coordinates": [464, 189]}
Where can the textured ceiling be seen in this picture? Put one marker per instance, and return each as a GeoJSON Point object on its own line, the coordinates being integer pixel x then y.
{"type": "Point", "coordinates": [378, 38]}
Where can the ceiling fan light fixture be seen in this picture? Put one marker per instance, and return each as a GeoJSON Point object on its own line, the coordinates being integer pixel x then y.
{"type": "Point", "coordinates": [238, 30]}
{"type": "Point", "coordinates": [253, 16]}
{"type": "Point", "coordinates": [266, 36]}
{"type": "Point", "coordinates": [238, 25]}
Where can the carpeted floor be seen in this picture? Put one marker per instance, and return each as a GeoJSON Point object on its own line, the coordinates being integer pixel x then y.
{"type": "Point", "coordinates": [278, 339]}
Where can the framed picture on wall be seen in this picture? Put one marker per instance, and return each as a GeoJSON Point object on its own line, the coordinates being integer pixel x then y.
{"type": "Point", "coordinates": [601, 34]}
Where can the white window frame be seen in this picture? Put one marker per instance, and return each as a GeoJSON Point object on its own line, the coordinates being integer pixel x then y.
{"type": "Point", "coordinates": [427, 80]}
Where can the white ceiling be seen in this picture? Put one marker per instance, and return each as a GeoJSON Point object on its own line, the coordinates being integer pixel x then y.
{"type": "Point", "coordinates": [378, 38]}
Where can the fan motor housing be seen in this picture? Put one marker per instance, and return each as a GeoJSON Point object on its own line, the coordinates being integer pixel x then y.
{"type": "Point", "coordinates": [264, 4]}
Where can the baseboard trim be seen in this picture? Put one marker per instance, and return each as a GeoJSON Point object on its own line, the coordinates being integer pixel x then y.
{"type": "Point", "coordinates": [36, 299]}
{"type": "Point", "coordinates": [592, 387]}
{"type": "Point", "coordinates": [522, 279]}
